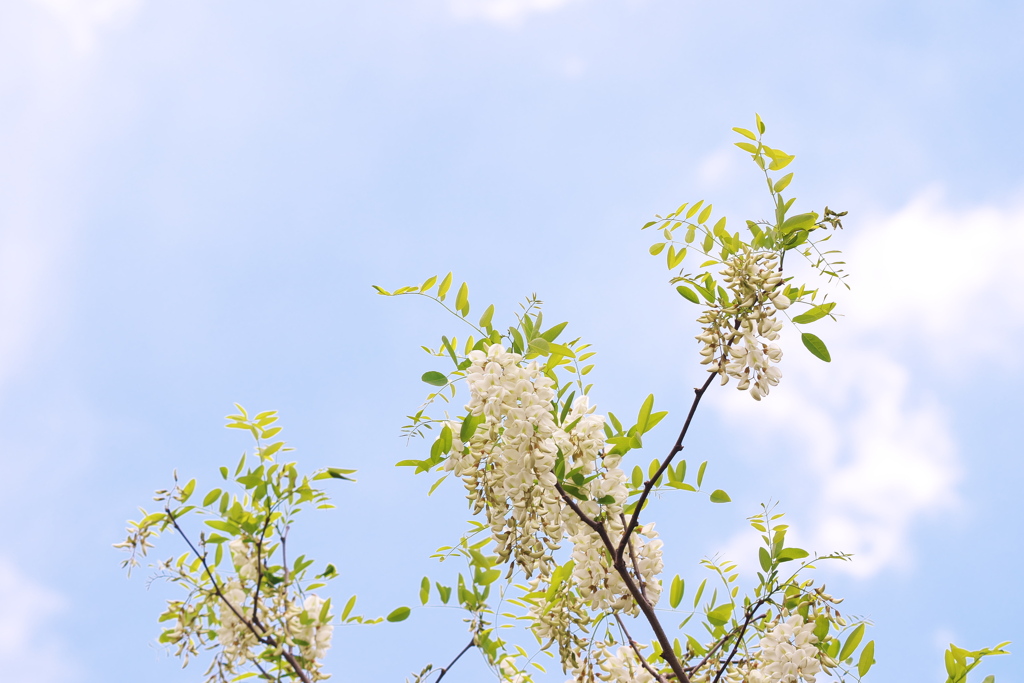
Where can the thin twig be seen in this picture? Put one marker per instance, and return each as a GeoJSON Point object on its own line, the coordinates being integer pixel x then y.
{"type": "Point", "coordinates": [632, 643]}
{"type": "Point", "coordinates": [649, 485]}
{"type": "Point", "coordinates": [267, 640]}
{"type": "Point", "coordinates": [446, 669]}
{"type": "Point", "coordinates": [667, 653]}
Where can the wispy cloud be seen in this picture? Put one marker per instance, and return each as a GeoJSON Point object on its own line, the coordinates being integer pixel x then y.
{"type": "Point", "coordinates": [28, 652]}
{"type": "Point", "coordinates": [870, 436]}
{"type": "Point", "coordinates": [84, 20]}
{"type": "Point", "coordinates": [506, 12]}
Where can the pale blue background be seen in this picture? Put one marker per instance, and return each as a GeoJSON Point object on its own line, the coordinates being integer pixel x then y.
{"type": "Point", "coordinates": [195, 198]}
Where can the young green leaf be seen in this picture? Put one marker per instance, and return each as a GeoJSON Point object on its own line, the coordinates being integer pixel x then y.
{"type": "Point", "coordinates": [399, 614]}
{"type": "Point", "coordinates": [676, 592]}
{"type": "Point", "coordinates": [720, 496]}
{"type": "Point", "coordinates": [816, 313]}
{"type": "Point", "coordinates": [852, 642]}
{"type": "Point", "coordinates": [424, 590]}
{"type": "Point", "coordinates": [442, 289]}
{"type": "Point", "coordinates": [816, 346]}
{"type": "Point", "coordinates": [434, 378]}
{"type": "Point", "coordinates": [867, 658]}
{"type": "Point", "coordinates": [688, 294]}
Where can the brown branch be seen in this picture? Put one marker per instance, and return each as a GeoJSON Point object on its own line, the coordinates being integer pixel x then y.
{"type": "Point", "coordinates": [632, 643]}
{"type": "Point", "coordinates": [267, 640]}
{"type": "Point", "coordinates": [632, 557]}
{"type": "Point", "coordinates": [739, 637]}
{"type": "Point", "coordinates": [649, 485]}
{"type": "Point", "coordinates": [446, 669]}
{"type": "Point", "coordinates": [645, 606]}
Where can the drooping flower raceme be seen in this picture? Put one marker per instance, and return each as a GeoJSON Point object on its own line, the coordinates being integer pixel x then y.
{"type": "Point", "coordinates": [739, 336]}
{"type": "Point", "coordinates": [508, 468]}
{"type": "Point", "coordinates": [788, 654]}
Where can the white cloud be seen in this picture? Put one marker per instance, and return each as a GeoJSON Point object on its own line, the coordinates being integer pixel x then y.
{"type": "Point", "coordinates": [507, 12]}
{"type": "Point", "coordinates": [717, 167]}
{"type": "Point", "coordinates": [872, 444]}
{"type": "Point", "coordinates": [27, 650]}
{"type": "Point", "coordinates": [83, 20]}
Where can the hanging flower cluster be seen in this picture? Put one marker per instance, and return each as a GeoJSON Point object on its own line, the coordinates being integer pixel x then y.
{"type": "Point", "coordinates": [508, 468]}
{"type": "Point", "coordinates": [788, 654]}
{"type": "Point", "coordinates": [738, 336]}
{"type": "Point", "coordinates": [508, 464]}
{"type": "Point", "coordinates": [621, 666]}
{"type": "Point", "coordinates": [275, 615]}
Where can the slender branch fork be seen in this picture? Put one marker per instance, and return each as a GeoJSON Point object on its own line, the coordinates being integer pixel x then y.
{"type": "Point", "coordinates": [617, 550]}
{"type": "Point", "coordinates": [643, 661]}
{"type": "Point", "coordinates": [261, 635]}
{"type": "Point", "coordinates": [649, 485]}
{"type": "Point", "coordinates": [446, 669]}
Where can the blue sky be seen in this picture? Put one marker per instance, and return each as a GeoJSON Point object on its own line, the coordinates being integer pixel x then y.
{"type": "Point", "coordinates": [196, 197]}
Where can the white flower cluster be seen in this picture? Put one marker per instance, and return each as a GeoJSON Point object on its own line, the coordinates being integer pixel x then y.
{"type": "Point", "coordinates": [622, 666]}
{"type": "Point", "coordinates": [233, 635]}
{"type": "Point", "coordinates": [600, 583]}
{"type": "Point", "coordinates": [282, 619]}
{"type": "Point", "coordinates": [304, 625]}
{"type": "Point", "coordinates": [508, 469]}
{"type": "Point", "coordinates": [738, 337]}
{"type": "Point", "coordinates": [788, 654]}
{"type": "Point", "coordinates": [243, 559]}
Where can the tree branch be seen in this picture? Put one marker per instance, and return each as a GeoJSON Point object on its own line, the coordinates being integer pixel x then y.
{"type": "Point", "coordinates": [667, 653]}
{"type": "Point", "coordinates": [643, 661]}
{"type": "Point", "coordinates": [649, 485]}
{"type": "Point", "coordinates": [446, 669]}
{"type": "Point", "coordinates": [267, 640]}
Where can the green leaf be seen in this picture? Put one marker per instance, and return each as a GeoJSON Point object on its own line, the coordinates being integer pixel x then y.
{"type": "Point", "coordinates": [867, 658]}
{"type": "Point", "coordinates": [657, 248]}
{"type": "Point", "coordinates": [428, 283]}
{"type": "Point", "coordinates": [700, 472]}
{"type": "Point", "coordinates": [399, 614]}
{"type": "Point", "coordinates": [720, 496]}
{"type": "Point", "coordinates": [783, 182]}
{"type": "Point", "coordinates": [424, 590]}
{"type": "Point", "coordinates": [816, 346]}
{"type": "Point", "coordinates": [803, 221]}
{"type": "Point", "coordinates": [700, 592]}
{"type": "Point", "coordinates": [211, 497]}
{"type": "Point", "coordinates": [852, 643]}
{"type": "Point", "coordinates": [444, 591]}
{"type": "Point", "coordinates": [338, 473]}
{"type": "Point", "coordinates": [552, 333]}
{"type": "Point", "coordinates": [540, 346]}
{"type": "Point", "coordinates": [745, 133]}
{"type": "Point", "coordinates": [559, 349]}
{"type": "Point", "coordinates": [220, 525]}
{"type": "Point", "coordinates": [688, 294]}
{"type": "Point", "coordinates": [720, 615]}
{"type": "Point", "coordinates": [765, 558]}
{"type": "Point", "coordinates": [645, 413]}
{"type": "Point", "coordinates": [485, 319]}
{"type": "Point", "coordinates": [816, 313]}
{"type": "Point", "coordinates": [442, 289]}
{"type": "Point", "coordinates": [676, 593]}
{"type": "Point", "coordinates": [637, 479]}
{"type": "Point", "coordinates": [469, 426]}
{"type": "Point", "coordinates": [462, 298]}
{"type": "Point", "coordinates": [434, 378]}
{"type": "Point", "coordinates": [760, 123]}
{"type": "Point", "coordinates": [792, 554]}
{"type": "Point", "coordinates": [705, 214]}
{"type": "Point", "coordinates": [746, 147]}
